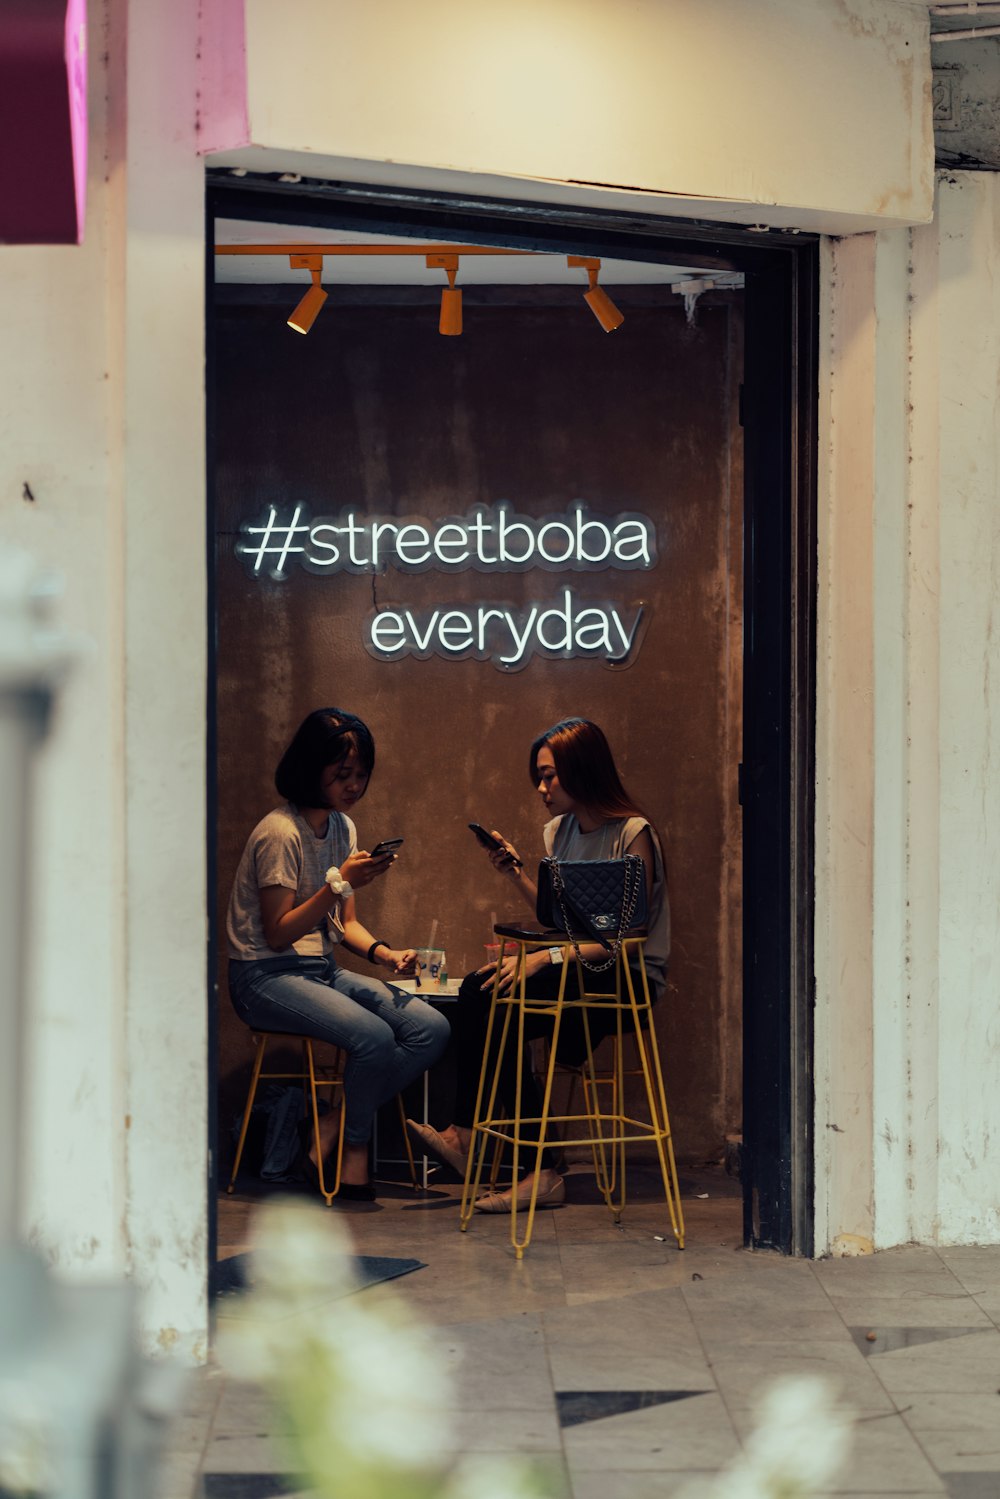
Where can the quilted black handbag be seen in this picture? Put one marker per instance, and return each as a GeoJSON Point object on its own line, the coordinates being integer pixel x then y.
{"type": "Point", "coordinates": [598, 900]}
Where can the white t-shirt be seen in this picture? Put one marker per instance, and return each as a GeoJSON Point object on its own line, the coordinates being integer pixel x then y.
{"type": "Point", "coordinates": [283, 850]}
{"type": "Point", "coordinates": [566, 840]}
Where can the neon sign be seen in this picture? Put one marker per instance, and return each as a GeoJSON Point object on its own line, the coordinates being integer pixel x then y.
{"type": "Point", "coordinates": [503, 634]}
{"type": "Point", "coordinates": [488, 538]}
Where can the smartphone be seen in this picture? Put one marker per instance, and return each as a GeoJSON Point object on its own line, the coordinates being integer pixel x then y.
{"type": "Point", "coordinates": [488, 841]}
{"type": "Point", "coordinates": [386, 846]}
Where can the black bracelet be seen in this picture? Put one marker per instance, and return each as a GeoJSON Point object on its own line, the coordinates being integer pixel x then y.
{"type": "Point", "coordinates": [371, 950]}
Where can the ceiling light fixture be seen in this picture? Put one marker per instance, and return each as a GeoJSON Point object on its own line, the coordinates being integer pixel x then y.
{"type": "Point", "coordinates": [444, 257]}
{"type": "Point", "coordinates": [307, 311]}
{"type": "Point", "coordinates": [596, 298]}
{"type": "Point", "coordinates": [450, 321]}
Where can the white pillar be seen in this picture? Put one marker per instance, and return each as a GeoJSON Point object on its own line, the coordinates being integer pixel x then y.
{"type": "Point", "coordinates": [166, 688]}
{"type": "Point", "coordinates": [908, 717]}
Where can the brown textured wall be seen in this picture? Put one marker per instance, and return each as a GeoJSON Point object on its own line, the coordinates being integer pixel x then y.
{"type": "Point", "coordinates": [536, 406]}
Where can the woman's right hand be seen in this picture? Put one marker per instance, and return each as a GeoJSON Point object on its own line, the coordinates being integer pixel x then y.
{"type": "Point", "coordinates": [360, 868]}
{"type": "Point", "coordinates": [502, 859]}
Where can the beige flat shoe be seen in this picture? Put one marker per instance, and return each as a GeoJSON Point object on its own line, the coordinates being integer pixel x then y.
{"type": "Point", "coordinates": [500, 1202]}
{"type": "Point", "coordinates": [427, 1139]}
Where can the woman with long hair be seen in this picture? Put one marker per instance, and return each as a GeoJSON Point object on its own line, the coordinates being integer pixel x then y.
{"type": "Point", "coordinates": [592, 816]}
{"type": "Point", "coordinates": [293, 903]}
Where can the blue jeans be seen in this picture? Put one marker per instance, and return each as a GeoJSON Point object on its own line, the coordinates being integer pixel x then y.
{"type": "Point", "coordinates": [390, 1037]}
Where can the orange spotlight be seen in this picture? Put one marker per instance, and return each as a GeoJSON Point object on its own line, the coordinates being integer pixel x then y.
{"type": "Point", "coordinates": [450, 321]}
{"type": "Point", "coordinates": [597, 299]}
{"type": "Point", "coordinates": [307, 311]}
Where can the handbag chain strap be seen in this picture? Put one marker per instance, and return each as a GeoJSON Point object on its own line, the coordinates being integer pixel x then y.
{"type": "Point", "coordinates": [634, 872]}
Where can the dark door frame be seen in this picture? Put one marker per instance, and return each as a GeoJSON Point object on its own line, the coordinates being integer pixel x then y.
{"type": "Point", "coordinates": [777, 773]}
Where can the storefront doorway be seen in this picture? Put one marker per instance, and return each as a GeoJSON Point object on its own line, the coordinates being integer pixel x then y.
{"type": "Point", "coordinates": [692, 426]}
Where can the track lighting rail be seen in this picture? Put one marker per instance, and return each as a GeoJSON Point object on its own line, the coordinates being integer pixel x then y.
{"type": "Point", "coordinates": [309, 257]}
{"type": "Point", "coordinates": [409, 249]}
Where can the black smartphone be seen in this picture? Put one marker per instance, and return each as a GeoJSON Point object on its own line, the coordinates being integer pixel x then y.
{"type": "Point", "coordinates": [387, 846]}
{"type": "Point", "coordinates": [488, 841]}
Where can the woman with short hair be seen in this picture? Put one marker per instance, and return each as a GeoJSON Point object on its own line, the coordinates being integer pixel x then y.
{"type": "Point", "coordinates": [293, 903]}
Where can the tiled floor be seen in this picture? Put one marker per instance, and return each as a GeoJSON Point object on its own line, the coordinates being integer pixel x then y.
{"type": "Point", "coordinates": [630, 1368]}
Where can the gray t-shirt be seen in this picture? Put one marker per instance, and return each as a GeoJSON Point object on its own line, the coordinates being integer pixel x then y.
{"type": "Point", "coordinates": [566, 840]}
{"type": "Point", "coordinates": [283, 850]}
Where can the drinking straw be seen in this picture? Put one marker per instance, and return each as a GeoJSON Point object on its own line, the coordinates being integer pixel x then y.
{"type": "Point", "coordinates": [493, 922]}
{"type": "Point", "coordinates": [434, 927]}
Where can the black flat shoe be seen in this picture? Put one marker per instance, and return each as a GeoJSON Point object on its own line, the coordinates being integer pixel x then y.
{"type": "Point", "coordinates": [346, 1192]}
{"type": "Point", "coordinates": [349, 1192]}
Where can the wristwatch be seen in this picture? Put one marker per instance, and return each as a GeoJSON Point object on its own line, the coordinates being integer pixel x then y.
{"type": "Point", "coordinates": [555, 955]}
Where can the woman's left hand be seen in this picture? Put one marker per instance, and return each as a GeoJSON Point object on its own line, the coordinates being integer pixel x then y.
{"type": "Point", "coordinates": [533, 963]}
{"type": "Point", "coordinates": [360, 868]}
{"type": "Point", "coordinates": [402, 960]}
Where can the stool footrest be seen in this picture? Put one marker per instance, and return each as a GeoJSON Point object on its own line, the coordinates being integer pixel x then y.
{"type": "Point", "coordinates": [645, 1134]}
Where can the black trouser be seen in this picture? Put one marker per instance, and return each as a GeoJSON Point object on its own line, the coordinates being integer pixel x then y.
{"type": "Point", "coordinates": [469, 1020]}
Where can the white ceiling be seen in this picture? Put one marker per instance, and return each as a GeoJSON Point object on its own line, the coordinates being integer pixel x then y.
{"type": "Point", "coordinates": [410, 270]}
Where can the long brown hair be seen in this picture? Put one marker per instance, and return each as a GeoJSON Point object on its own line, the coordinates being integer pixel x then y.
{"type": "Point", "coordinates": [586, 768]}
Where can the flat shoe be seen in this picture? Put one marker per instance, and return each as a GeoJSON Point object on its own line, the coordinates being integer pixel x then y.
{"type": "Point", "coordinates": [500, 1202]}
{"type": "Point", "coordinates": [350, 1192]}
{"type": "Point", "coordinates": [346, 1192]}
{"type": "Point", "coordinates": [311, 1174]}
{"type": "Point", "coordinates": [427, 1139]}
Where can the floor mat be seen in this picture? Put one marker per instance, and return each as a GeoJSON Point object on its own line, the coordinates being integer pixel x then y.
{"type": "Point", "coordinates": [235, 1275]}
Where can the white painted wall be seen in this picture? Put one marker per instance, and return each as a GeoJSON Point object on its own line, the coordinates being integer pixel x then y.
{"type": "Point", "coordinates": [844, 726]}
{"type": "Point", "coordinates": [166, 635]}
{"type": "Point", "coordinates": [960, 295]}
{"type": "Point", "coordinates": [60, 437]}
{"type": "Point", "coordinates": [103, 418]}
{"type": "Point", "coordinates": [908, 864]}
{"type": "Point", "coordinates": [787, 112]}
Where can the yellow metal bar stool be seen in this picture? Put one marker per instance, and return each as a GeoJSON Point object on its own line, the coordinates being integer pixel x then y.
{"type": "Point", "coordinates": [313, 1076]}
{"type": "Point", "coordinates": [609, 1129]}
{"type": "Point", "coordinates": [613, 1076]}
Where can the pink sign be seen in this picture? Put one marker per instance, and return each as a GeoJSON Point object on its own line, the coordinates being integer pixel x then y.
{"type": "Point", "coordinates": [76, 78]}
{"type": "Point", "coordinates": [43, 121]}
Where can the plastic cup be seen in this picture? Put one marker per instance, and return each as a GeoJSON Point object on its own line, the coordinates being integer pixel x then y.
{"type": "Point", "coordinates": [430, 966]}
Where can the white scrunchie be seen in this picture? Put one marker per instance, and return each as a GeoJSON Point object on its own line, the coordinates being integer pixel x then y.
{"type": "Point", "coordinates": [337, 883]}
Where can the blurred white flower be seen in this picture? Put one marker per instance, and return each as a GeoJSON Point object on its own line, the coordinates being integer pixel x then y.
{"type": "Point", "coordinates": [801, 1440]}
{"type": "Point", "coordinates": [362, 1389]}
{"type": "Point", "coordinates": [24, 1467]}
{"type": "Point", "coordinates": [363, 1393]}
{"type": "Point", "coordinates": [394, 1367]}
{"type": "Point", "coordinates": [488, 1476]}
{"type": "Point", "coordinates": [300, 1250]}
